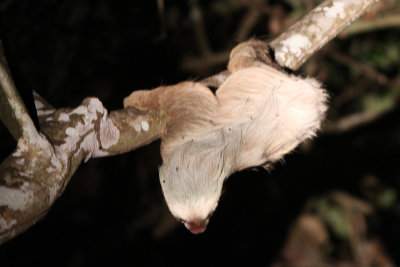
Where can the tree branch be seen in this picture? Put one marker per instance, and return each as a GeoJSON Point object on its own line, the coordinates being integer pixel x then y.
{"type": "Point", "coordinates": [320, 25]}
{"type": "Point", "coordinates": [37, 172]}
{"type": "Point", "coordinates": [12, 110]}
{"type": "Point", "coordinates": [362, 26]}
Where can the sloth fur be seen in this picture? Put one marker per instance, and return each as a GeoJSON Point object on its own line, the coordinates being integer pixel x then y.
{"type": "Point", "coordinates": [256, 116]}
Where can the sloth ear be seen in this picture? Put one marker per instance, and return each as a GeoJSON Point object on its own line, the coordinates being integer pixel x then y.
{"type": "Point", "coordinates": [190, 108]}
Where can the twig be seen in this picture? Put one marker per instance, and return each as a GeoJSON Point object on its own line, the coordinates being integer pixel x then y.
{"type": "Point", "coordinates": [365, 70]}
{"type": "Point", "coordinates": [37, 172]}
{"type": "Point", "coordinates": [355, 120]}
{"type": "Point", "coordinates": [349, 93]}
{"type": "Point", "coordinates": [199, 64]}
{"type": "Point", "coordinates": [251, 18]}
{"type": "Point", "coordinates": [293, 47]}
{"type": "Point", "coordinates": [207, 57]}
{"type": "Point", "coordinates": [196, 15]}
{"type": "Point", "coordinates": [364, 25]}
{"type": "Point", "coordinates": [161, 17]}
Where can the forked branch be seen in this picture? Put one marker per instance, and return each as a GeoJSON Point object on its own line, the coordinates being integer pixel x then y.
{"type": "Point", "coordinates": [36, 173]}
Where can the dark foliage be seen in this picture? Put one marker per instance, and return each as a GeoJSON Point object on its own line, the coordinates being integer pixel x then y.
{"type": "Point", "coordinates": [113, 212]}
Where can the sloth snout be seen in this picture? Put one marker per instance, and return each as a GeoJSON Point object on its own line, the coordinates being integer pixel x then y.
{"type": "Point", "coordinates": [196, 226]}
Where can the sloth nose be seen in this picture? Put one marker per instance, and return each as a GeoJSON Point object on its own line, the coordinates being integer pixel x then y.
{"type": "Point", "coordinates": [196, 226]}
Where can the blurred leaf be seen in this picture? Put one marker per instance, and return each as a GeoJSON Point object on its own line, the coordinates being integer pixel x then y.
{"type": "Point", "coordinates": [378, 103]}
{"type": "Point", "coordinates": [387, 198]}
{"type": "Point", "coordinates": [223, 7]}
{"type": "Point", "coordinates": [385, 56]}
{"type": "Point", "coordinates": [334, 216]}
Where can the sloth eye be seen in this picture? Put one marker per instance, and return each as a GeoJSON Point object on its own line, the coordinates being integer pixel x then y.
{"type": "Point", "coordinates": [180, 220]}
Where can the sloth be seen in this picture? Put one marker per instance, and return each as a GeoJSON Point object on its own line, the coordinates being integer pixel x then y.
{"type": "Point", "coordinates": [256, 116]}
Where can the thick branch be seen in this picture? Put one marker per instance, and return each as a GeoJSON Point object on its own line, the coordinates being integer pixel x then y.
{"type": "Point", "coordinates": [293, 47]}
{"type": "Point", "coordinates": [37, 172]}
{"type": "Point", "coordinates": [308, 35]}
{"type": "Point", "coordinates": [12, 110]}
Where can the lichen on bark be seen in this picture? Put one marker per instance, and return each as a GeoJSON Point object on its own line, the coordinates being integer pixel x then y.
{"type": "Point", "coordinates": [320, 25]}
{"type": "Point", "coordinates": [36, 173]}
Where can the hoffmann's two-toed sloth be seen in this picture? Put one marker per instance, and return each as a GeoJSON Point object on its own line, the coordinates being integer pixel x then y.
{"type": "Point", "coordinates": [256, 116]}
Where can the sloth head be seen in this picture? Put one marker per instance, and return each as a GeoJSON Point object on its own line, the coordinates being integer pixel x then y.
{"type": "Point", "coordinates": [192, 185]}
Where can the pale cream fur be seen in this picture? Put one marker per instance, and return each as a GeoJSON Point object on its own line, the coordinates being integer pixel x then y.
{"type": "Point", "coordinates": [256, 116]}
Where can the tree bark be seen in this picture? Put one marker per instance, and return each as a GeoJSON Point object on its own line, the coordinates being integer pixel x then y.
{"type": "Point", "coordinates": [37, 172]}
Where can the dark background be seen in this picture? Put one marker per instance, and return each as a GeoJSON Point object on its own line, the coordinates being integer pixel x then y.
{"type": "Point", "coordinates": [113, 212]}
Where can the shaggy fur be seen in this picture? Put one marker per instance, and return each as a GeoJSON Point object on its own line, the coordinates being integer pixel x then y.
{"type": "Point", "coordinates": [256, 116]}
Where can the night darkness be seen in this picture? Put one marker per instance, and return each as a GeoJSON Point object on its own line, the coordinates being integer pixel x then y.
{"type": "Point", "coordinates": [113, 212]}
